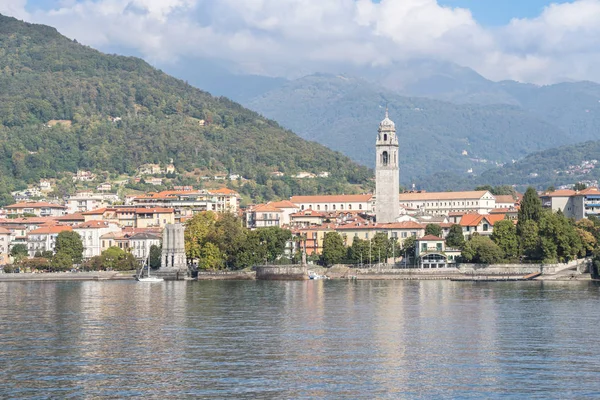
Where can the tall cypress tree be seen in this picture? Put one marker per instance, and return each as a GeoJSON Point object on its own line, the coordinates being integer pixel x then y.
{"type": "Point", "coordinates": [531, 208]}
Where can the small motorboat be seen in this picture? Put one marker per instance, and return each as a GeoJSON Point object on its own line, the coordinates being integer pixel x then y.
{"type": "Point", "coordinates": [314, 275]}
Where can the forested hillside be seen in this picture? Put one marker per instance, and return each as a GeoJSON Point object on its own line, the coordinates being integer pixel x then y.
{"type": "Point", "coordinates": [343, 113]}
{"type": "Point", "coordinates": [119, 112]}
{"type": "Point", "coordinates": [558, 166]}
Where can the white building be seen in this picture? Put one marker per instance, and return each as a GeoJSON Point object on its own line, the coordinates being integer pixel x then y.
{"type": "Point", "coordinates": [443, 203]}
{"type": "Point", "coordinates": [5, 240]}
{"type": "Point", "coordinates": [574, 204]}
{"type": "Point", "coordinates": [39, 209]}
{"type": "Point", "coordinates": [91, 232]}
{"type": "Point", "coordinates": [82, 202]}
{"type": "Point", "coordinates": [44, 238]}
{"type": "Point", "coordinates": [348, 202]}
{"type": "Point", "coordinates": [140, 244]}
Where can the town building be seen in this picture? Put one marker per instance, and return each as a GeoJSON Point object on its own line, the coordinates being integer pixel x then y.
{"type": "Point", "coordinates": [348, 202]}
{"type": "Point", "coordinates": [39, 209]}
{"type": "Point", "coordinates": [140, 244]}
{"type": "Point", "coordinates": [5, 245]}
{"type": "Point", "coordinates": [366, 230]}
{"type": "Point", "coordinates": [387, 172]}
{"type": "Point", "coordinates": [574, 204]}
{"type": "Point", "coordinates": [431, 252]}
{"type": "Point", "coordinates": [306, 218]}
{"type": "Point", "coordinates": [85, 201]}
{"type": "Point", "coordinates": [444, 203]}
{"type": "Point", "coordinates": [91, 233]}
{"type": "Point", "coordinates": [44, 238]}
{"type": "Point", "coordinates": [480, 224]}
{"type": "Point", "coordinates": [264, 216]}
{"type": "Point", "coordinates": [220, 200]}
{"type": "Point", "coordinates": [134, 217]}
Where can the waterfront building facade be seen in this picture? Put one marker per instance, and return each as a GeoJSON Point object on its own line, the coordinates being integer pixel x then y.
{"type": "Point", "coordinates": [445, 203]}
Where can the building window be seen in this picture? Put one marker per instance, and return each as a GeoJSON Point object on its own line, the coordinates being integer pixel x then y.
{"type": "Point", "coordinates": [438, 246]}
{"type": "Point", "coordinates": [485, 227]}
{"type": "Point", "coordinates": [384, 158]}
{"type": "Point", "coordinates": [349, 206]}
{"type": "Point", "coordinates": [360, 206]}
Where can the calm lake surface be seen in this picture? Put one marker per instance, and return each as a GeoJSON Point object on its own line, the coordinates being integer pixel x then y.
{"type": "Point", "coordinates": [323, 339]}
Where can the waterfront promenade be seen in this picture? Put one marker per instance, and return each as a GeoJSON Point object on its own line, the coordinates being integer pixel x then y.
{"type": "Point", "coordinates": [66, 276]}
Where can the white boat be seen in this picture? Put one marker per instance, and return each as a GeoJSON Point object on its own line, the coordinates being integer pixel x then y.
{"type": "Point", "coordinates": [314, 275]}
{"type": "Point", "coordinates": [148, 278]}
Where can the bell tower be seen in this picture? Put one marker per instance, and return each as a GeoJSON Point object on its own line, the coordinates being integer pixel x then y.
{"type": "Point", "coordinates": [387, 173]}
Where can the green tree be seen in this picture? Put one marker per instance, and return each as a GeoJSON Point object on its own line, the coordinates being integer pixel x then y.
{"type": "Point", "coordinates": [433, 229]}
{"type": "Point", "coordinates": [529, 240]}
{"type": "Point", "coordinates": [559, 240]}
{"type": "Point", "coordinates": [61, 261]}
{"type": "Point", "coordinates": [211, 257]}
{"type": "Point", "coordinates": [455, 238]}
{"type": "Point", "coordinates": [359, 251]}
{"type": "Point", "coordinates": [69, 243]}
{"type": "Point", "coordinates": [409, 246]}
{"type": "Point", "coordinates": [196, 232]}
{"type": "Point", "coordinates": [579, 186]}
{"type": "Point", "coordinates": [381, 248]}
{"type": "Point", "coordinates": [505, 236]}
{"type": "Point", "coordinates": [482, 250]}
{"type": "Point", "coordinates": [333, 249]}
{"type": "Point", "coordinates": [19, 252]}
{"type": "Point", "coordinates": [155, 256]}
{"type": "Point", "coordinates": [530, 209]}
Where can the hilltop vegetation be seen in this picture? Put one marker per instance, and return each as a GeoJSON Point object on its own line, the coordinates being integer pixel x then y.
{"type": "Point", "coordinates": [119, 113]}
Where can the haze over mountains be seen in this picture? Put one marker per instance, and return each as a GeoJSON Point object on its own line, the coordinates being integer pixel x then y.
{"type": "Point", "coordinates": [441, 110]}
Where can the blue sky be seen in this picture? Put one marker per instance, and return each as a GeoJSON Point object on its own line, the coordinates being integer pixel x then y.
{"type": "Point", "coordinates": [500, 12]}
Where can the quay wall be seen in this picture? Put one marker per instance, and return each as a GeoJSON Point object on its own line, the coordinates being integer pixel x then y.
{"type": "Point", "coordinates": [281, 272]}
{"type": "Point", "coordinates": [63, 276]}
{"type": "Point", "coordinates": [226, 275]}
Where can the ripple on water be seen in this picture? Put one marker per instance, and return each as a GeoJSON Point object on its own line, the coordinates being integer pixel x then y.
{"type": "Point", "coordinates": [331, 339]}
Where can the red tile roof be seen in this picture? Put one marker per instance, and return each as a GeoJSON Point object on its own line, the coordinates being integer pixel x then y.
{"type": "Point", "coordinates": [50, 229]}
{"type": "Point", "coordinates": [505, 199]}
{"type": "Point", "coordinates": [442, 195]}
{"type": "Point", "coordinates": [283, 204]}
{"type": "Point", "coordinates": [430, 238]}
{"type": "Point", "coordinates": [343, 198]}
{"type": "Point", "coordinates": [561, 193]}
{"type": "Point", "coordinates": [40, 204]}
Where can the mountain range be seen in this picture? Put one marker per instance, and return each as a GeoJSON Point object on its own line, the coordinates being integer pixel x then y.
{"type": "Point", "coordinates": [65, 106]}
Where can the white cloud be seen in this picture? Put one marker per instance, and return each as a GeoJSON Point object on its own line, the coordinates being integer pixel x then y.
{"type": "Point", "coordinates": [290, 37]}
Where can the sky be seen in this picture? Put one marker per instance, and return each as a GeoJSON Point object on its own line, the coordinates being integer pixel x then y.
{"type": "Point", "coordinates": [537, 41]}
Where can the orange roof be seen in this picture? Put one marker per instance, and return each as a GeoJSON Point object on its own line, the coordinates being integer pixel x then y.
{"type": "Point", "coordinates": [159, 210]}
{"type": "Point", "coordinates": [50, 229]}
{"type": "Point", "coordinates": [98, 211]}
{"type": "Point", "coordinates": [308, 213]}
{"type": "Point", "coordinates": [4, 231]}
{"type": "Point", "coordinates": [223, 191]}
{"type": "Point", "coordinates": [266, 208]}
{"type": "Point", "coordinates": [471, 219]}
{"type": "Point", "coordinates": [505, 198]}
{"type": "Point", "coordinates": [492, 219]}
{"type": "Point", "coordinates": [456, 213]}
{"type": "Point", "coordinates": [442, 195]}
{"type": "Point", "coordinates": [475, 219]}
{"type": "Point", "coordinates": [561, 193]}
{"type": "Point", "coordinates": [283, 204]}
{"type": "Point", "coordinates": [92, 225]}
{"type": "Point", "coordinates": [430, 237]}
{"type": "Point", "coordinates": [590, 190]}
{"type": "Point", "coordinates": [71, 217]}
{"type": "Point", "coordinates": [343, 198]}
{"type": "Point", "coordinates": [29, 220]}
{"type": "Point", "coordinates": [40, 204]}
{"type": "Point", "coordinates": [393, 225]}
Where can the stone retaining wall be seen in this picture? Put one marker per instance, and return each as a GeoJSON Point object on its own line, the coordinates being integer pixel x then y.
{"type": "Point", "coordinates": [281, 272]}
{"type": "Point", "coordinates": [226, 275]}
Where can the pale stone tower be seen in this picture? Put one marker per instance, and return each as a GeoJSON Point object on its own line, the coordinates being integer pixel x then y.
{"type": "Point", "coordinates": [173, 263]}
{"type": "Point", "coordinates": [387, 173]}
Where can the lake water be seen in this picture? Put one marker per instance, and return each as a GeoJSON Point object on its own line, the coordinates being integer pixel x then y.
{"type": "Point", "coordinates": [314, 339]}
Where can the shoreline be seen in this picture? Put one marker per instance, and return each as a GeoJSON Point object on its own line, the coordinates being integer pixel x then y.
{"type": "Point", "coordinates": [245, 275]}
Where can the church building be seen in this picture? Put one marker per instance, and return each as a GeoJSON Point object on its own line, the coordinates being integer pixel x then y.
{"type": "Point", "coordinates": [387, 173]}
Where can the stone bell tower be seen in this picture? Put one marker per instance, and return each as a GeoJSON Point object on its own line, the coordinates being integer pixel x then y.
{"type": "Point", "coordinates": [387, 173]}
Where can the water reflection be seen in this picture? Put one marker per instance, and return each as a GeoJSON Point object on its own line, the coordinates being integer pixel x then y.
{"type": "Point", "coordinates": [332, 339]}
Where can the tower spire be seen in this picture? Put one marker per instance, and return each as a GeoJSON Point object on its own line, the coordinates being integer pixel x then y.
{"type": "Point", "coordinates": [386, 111]}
